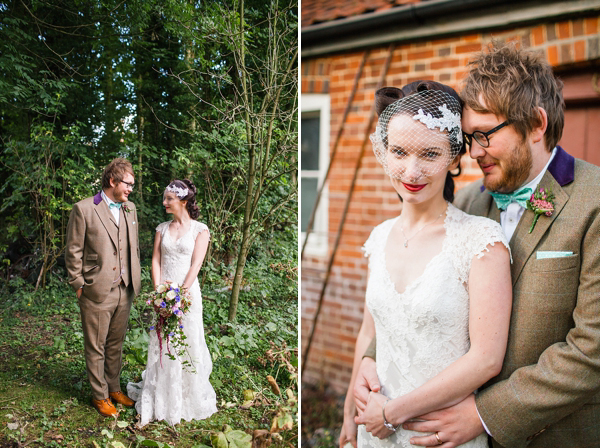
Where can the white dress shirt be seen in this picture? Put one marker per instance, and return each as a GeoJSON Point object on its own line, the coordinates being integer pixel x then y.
{"type": "Point", "coordinates": [115, 211]}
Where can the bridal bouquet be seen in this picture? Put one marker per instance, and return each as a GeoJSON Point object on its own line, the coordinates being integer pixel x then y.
{"type": "Point", "coordinates": [170, 303]}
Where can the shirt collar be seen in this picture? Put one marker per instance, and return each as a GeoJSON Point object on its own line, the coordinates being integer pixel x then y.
{"type": "Point", "coordinates": [106, 198]}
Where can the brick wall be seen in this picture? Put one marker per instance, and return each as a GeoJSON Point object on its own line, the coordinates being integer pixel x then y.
{"type": "Point", "coordinates": [564, 43]}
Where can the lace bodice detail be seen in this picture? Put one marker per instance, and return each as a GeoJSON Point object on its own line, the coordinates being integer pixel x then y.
{"type": "Point", "coordinates": [177, 253]}
{"type": "Point", "coordinates": [424, 329]}
{"type": "Point", "coordinates": [167, 391]}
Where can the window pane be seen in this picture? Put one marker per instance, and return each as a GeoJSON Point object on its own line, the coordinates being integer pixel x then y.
{"type": "Point", "coordinates": [309, 196]}
{"type": "Point", "coordinates": [309, 141]}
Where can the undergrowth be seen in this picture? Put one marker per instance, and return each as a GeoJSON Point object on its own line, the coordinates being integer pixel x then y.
{"type": "Point", "coordinates": [45, 395]}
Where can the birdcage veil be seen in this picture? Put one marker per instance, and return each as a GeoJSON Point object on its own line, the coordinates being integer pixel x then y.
{"type": "Point", "coordinates": [418, 135]}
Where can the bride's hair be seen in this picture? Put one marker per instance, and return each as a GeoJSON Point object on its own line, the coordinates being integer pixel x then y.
{"type": "Point", "coordinates": [388, 95]}
{"type": "Point", "coordinates": [191, 205]}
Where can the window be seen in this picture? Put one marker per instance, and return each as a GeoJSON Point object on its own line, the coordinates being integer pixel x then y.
{"type": "Point", "coordinates": [314, 158]}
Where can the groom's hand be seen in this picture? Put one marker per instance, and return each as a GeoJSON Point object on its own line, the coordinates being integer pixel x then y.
{"type": "Point", "coordinates": [454, 425]}
{"type": "Point", "coordinates": [365, 382]}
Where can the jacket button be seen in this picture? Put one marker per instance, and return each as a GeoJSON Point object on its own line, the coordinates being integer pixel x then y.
{"type": "Point", "coordinates": [114, 253]}
{"type": "Point", "coordinates": [114, 269]}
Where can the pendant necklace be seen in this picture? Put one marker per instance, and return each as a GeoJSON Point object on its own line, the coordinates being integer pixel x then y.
{"type": "Point", "coordinates": [406, 240]}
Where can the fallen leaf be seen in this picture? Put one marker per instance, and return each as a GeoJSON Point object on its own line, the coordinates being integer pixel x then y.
{"type": "Point", "coordinates": [274, 386]}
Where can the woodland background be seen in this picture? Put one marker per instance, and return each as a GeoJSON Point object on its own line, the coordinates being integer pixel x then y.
{"type": "Point", "coordinates": [200, 89]}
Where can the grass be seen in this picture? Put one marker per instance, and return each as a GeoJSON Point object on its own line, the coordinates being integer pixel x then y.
{"type": "Point", "coordinates": [45, 395]}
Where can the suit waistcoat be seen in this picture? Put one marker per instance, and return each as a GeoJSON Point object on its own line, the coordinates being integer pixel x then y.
{"type": "Point", "coordinates": [124, 267]}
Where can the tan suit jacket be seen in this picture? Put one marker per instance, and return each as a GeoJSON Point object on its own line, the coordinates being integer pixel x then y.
{"type": "Point", "coordinates": [92, 248]}
{"type": "Point", "coordinates": [548, 392]}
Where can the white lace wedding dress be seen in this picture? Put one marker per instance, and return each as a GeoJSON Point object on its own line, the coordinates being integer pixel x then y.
{"type": "Point", "coordinates": [169, 392]}
{"type": "Point", "coordinates": [423, 330]}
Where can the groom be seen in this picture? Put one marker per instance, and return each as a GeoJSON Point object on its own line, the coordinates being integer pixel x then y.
{"type": "Point", "coordinates": [548, 392]}
{"type": "Point", "coordinates": [103, 263]}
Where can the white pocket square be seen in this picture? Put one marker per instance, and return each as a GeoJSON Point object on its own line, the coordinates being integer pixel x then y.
{"type": "Point", "coordinates": [542, 254]}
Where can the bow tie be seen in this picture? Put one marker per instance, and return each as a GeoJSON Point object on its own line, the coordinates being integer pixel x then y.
{"type": "Point", "coordinates": [520, 197]}
{"type": "Point", "coordinates": [115, 205]}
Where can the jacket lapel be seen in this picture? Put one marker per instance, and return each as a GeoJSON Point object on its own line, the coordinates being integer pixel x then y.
{"type": "Point", "coordinates": [560, 172]}
{"type": "Point", "coordinates": [107, 220]}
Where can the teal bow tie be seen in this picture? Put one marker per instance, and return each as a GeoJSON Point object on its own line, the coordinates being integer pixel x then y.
{"type": "Point", "coordinates": [115, 205]}
{"type": "Point", "coordinates": [520, 197]}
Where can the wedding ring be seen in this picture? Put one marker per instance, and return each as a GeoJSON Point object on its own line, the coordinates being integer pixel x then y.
{"type": "Point", "coordinates": [438, 439]}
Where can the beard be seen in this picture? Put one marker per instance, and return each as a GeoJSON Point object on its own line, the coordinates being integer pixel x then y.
{"type": "Point", "coordinates": [515, 170]}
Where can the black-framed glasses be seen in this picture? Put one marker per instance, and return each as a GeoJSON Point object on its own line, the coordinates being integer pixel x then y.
{"type": "Point", "coordinates": [130, 186]}
{"type": "Point", "coordinates": [483, 138]}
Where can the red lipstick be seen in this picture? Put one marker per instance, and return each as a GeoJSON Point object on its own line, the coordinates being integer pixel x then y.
{"type": "Point", "coordinates": [414, 188]}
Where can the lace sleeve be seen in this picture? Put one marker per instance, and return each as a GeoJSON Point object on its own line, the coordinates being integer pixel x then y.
{"type": "Point", "coordinates": [162, 227]}
{"type": "Point", "coordinates": [469, 237]}
{"type": "Point", "coordinates": [486, 232]}
{"type": "Point", "coordinates": [199, 227]}
{"type": "Point", "coordinates": [375, 238]}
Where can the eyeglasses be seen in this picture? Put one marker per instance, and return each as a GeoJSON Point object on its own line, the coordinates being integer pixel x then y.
{"type": "Point", "coordinates": [130, 186]}
{"type": "Point", "coordinates": [483, 138]}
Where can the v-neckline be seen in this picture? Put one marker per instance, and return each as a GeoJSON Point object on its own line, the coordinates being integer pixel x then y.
{"type": "Point", "coordinates": [417, 280]}
{"type": "Point", "coordinates": [177, 239]}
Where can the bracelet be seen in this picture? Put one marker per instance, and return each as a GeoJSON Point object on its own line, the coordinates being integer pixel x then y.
{"type": "Point", "coordinates": [387, 424]}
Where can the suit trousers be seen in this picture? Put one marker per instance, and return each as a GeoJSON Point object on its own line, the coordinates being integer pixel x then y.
{"type": "Point", "coordinates": [104, 325]}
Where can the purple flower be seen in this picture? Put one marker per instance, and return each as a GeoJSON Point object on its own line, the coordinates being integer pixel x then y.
{"type": "Point", "coordinates": [152, 328]}
{"type": "Point", "coordinates": [163, 304]}
{"type": "Point", "coordinates": [177, 299]}
{"type": "Point", "coordinates": [172, 333]}
{"type": "Point", "coordinates": [181, 326]}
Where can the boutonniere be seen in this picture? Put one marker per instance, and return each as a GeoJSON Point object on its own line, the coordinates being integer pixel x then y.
{"type": "Point", "coordinates": [541, 202]}
{"type": "Point", "coordinates": [126, 209]}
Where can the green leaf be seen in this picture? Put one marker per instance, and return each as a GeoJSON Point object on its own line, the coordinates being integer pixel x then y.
{"type": "Point", "coordinates": [219, 440]}
{"type": "Point", "coordinates": [122, 424]}
{"type": "Point", "coordinates": [239, 439]}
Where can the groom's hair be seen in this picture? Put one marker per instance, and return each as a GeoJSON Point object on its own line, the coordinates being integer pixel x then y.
{"type": "Point", "coordinates": [513, 83]}
{"type": "Point", "coordinates": [116, 171]}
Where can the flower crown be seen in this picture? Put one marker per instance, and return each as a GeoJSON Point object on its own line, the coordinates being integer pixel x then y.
{"type": "Point", "coordinates": [179, 192]}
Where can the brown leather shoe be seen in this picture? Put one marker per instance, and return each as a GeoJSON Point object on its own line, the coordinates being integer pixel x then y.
{"type": "Point", "coordinates": [120, 397]}
{"type": "Point", "coordinates": [105, 407]}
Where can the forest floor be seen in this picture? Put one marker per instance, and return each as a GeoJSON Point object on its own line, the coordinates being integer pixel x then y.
{"type": "Point", "coordinates": [322, 415]}
{"type": "Point", "coordinates": [45, 396]}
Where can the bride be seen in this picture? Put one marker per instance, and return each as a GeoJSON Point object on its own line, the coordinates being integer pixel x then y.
{"type": "Point", "coordinates": [167, 391]}
{"type": "Point", "coordinates": [438, 294]}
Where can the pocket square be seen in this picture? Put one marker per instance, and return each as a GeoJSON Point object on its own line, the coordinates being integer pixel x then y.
{"type": "Point", "coordinates": [542, 254]}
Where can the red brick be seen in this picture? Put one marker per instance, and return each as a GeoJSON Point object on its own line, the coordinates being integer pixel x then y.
{"type": "Point", "coordinates": [564, 30]}
{"type": "Point", "coordinates": [424, 54]}
{"type": "Point", "coordinates": [578, 27]}
{"type": "Point", "coordinates": [468, 48]}
{"type": "Point", "coordinates": [538, 35]}
{"type": "Point", "coordinates": [579, 50]}
{"type": "Point", "coordinates": [553, 55]}
{"type": "Point", "coordinates": [445, 63]}
{"type": "Point", "coordinates": [591, 25]}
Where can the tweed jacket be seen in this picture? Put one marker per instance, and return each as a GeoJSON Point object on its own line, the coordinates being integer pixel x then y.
{"type": "Point", "coordinates": [548, 392]}
{"type": "Point", "coordinates": [91, 254]}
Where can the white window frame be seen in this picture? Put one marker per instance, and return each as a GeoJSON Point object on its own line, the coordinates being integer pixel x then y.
{"type": "Point", "coordinates": [318, 239]}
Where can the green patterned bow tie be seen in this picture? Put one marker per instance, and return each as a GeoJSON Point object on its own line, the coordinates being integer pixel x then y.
{"type": "Point", "coordinates": [520, 197]}
{"type": "Point", "coordinates": [115, 205]}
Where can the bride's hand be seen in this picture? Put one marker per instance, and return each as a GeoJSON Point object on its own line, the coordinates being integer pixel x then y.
{"type": "Point", "coordinates": [372, 417]}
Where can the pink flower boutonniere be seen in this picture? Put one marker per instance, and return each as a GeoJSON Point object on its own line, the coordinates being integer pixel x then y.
{"type": "Point", "coordinates": [541, 202]}
{"type": "Point", "coordinates": [126, 209]}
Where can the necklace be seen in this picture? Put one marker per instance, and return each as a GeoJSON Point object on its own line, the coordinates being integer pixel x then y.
{"type": "Point", "coordinates": [406, 240]}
